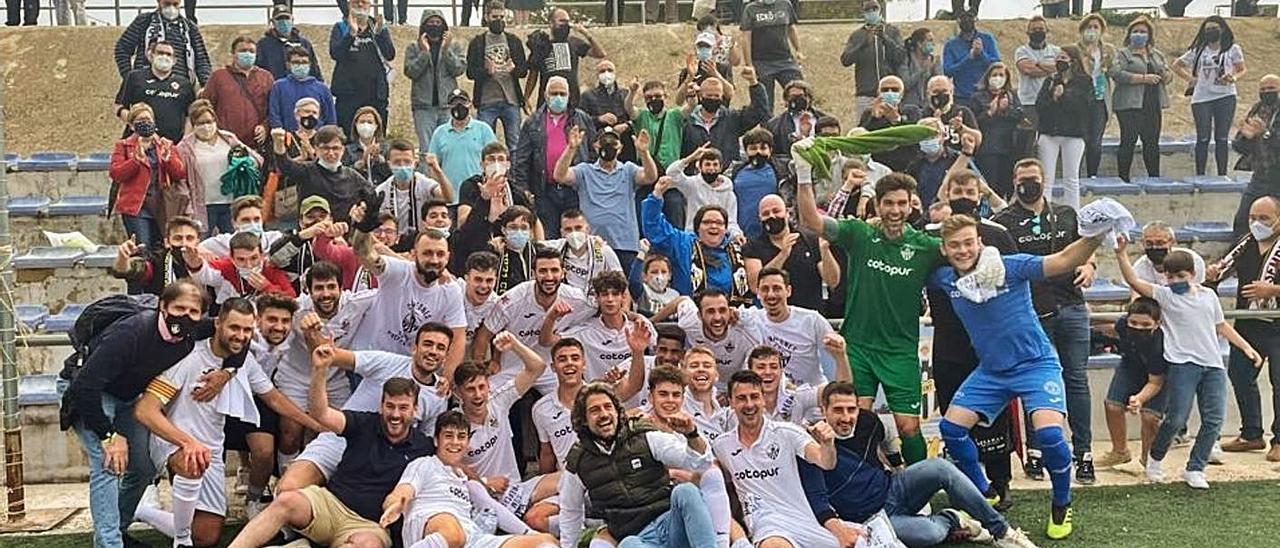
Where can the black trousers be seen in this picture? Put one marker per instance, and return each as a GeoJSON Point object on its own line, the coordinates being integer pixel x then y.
{"type": "Point", "coordinates": [1137, 124]}
{"type": "Point", "coordinates": [22, 12]}
{"type": "Point", "coordinates": [1098, 116]}
{"type": "Point", "coordinates": [957, 6]}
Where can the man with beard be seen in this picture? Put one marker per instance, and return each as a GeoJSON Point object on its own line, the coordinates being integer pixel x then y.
{"type": "Point", "coordinates": [322, 458]}
{"type": "Point", "coordinates": [585, 254]}
{"type": "Point", "coordinates": [621, 464]}
{"type": "Point", "coordinates": [798, 334]}
{"type": "Point", "coordinates": [798, 404]}
{"type": "Point", "coordinates": [189, 433]}
{"type": "Point", "coordinates": [477, 285]}
{"type": "Point", "coordinates": [604, 336]}
{"type": "Point", "coordinates": [708, 321]}
{"type": "Point", "coordinates": [346, 512]}
{"type": "Point", "coordinates": [761, 456]}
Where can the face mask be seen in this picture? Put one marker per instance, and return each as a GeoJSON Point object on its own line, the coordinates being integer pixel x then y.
{"type": "Point", "coordinates": [576, 240]}
{"type": "Point", "coordinates": [607, 78]}
{"type": "Point", "coordinates": [996, 82]}
{"type": "Point", "coordinates": [170, 12]}
{"type": "Point", "coordinates": [162, 63]}
{"type": "Point", "coordinates": [517, 239]}
{"type": "Point", "coordinates": [1037, 36]}
{"type": "Point", "coordinates": [1138, 39]}
{"type": "Point", "coordinates": [656, 106]}
{"type": "Point", "coordinates": [929, 48]}
{"type": "Point", "coordinates": [759, 160]}
{"type": "Point", "coordinates": [891, 98]}
{"type": "Point", "coordinates": [1090, 36]}
{"type": "Point", "coordinates": [658, 283]}
{"type": "Point", "coordinates": [459, 112]}
{"type": "Point", "coordinates": [915, 217]}
{"type": "Point", "coordinates": [963, 206]}
{"type": "Point", "coordinates": [334, 167]}
{"type": "Point", "coordinates": [798, 104]}
{"type": "Point", "coordinates": [711, 178]}
{"type": "Point", "coordinates": [429, 275]}
{"type": "Point", "coordinates": [360, 14]}
{"type": "Point", "coordinates": [444, 231]}
{"type": "Point", "coordinates": [1261, 231]}
{"type": "Point", "coordinates": [309, 122]}
{"type": "Point", "coordinates": [703, 53]}
{"type": "Point", "coordinates": [252, 228]}
{"type": "Point", "coordinates": [1180, 288]}
{"type": "Point", "coordinates": [402, 173]}
{"type": "Point", "coordinates": [1212, 35]}
{"type": "Point", "coordinates": [434, 32]}
{"type": "Point", "coordinates": [1030, 190]}
{"type": "Point", "coordinates": [940, 100]}
{"type": "Point", "coordinates": [495, 169]}
{"type": "Point", "coordinates": [366, 130]}
{"type": "Point", "coordinates": [560, 32]}
{"type": "Point", "coordinates": [246, 272]}
{"type": "Point", "coordinates": [711, 104]}
{"type": "Point", "coordinates": [557, 103]}
{"type": "Point", "coordinates": [1156, 254]}
{"type": "Point", "coordinates": [872, 17]}
{"type": "Point", "coordinates": [300, 71]}
{"type": "Point", "coordinates": [497, 26]}
{"type": "Point", "coordinates": [1062, 66]}
{"type": "Point", "coordinates": [206, 131]}
{"type": "Point", "coordinates": [966, 26]}
{"type": "Point", "coordinates": [931, 147]}
{"type": "Point", "coordinates": [774, 225]}
{"type": "Point", "coordinates": [245, 59]}
{"type": "Point", "coordinates": [284, 26]}
{"type": "Point", "coordinates": [608, 152]}
{"type": "Point", "coordinates": [1269, 98]}
{"type": "Point", "coordinates": [144, 128]}
{"type": "Point", "coordinates": [181, 327]}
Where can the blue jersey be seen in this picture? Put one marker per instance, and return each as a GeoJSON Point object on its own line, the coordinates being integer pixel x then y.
{"type": "Point", "coordinates": [1005, 329]}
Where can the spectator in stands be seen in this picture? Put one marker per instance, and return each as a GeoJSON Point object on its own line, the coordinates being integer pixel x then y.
{"type": "Point", "coordinates": [967, 56]}
{"type": "Point", "coordinates": [298, 147]}
{"type": "Point", "coordinates": [543, 139]}
{"type": "Point", "coordinates": [1036, 62]}
{"type": "Point", "coordinates": [1158, 242]}
{"type": "Point", "coordinates": [875, 50]}
{"type": "Point", "coordinates": [326, 177]}
{"type": "Point", "coordinates": [609, 104]}
{"type": "Point", "coordinates": [665, 122]}
{"type": "Point", "coordinates": [397, 11]}
{"type": "Point", "coordinates": [1063, 110]}
{"type": "Point", "coordinates": [559, 55]}
{"type": "Point", "coordinates": [433, 63]}
{"type": "Point", "coordinates": [493, 182]}
{"type": "Point", "coordinates": [246, 273]}
{"type": "Point", "coordinates": [509, 236]}
{"type": "Point", "coordinates": [1259, 147]}
{"type": "Point", "coordinates": [361, 47]}
{"type": "Point", "coordinates": [239, 93]}
{"type": "Point", "coordinates": [706, 186]}
{"type": "Point", "coordinates": [1141, 73]}
{"type": "Point", "coordinates": [168, 93]}
{"type": "Point", "coordinates": [950, 109]}
{"type": "Point", "coordinates": [207, 153]}
{"type": "Point", "coordinates": [920, 63]}
{"type": "Point", "coordinates": [522, 9]}
{"type": "Point", "coordinates": [149, 270]}
{"type": "Point", "coordinates": [1137, 385]}
{"type": "Point", "coordinates": [1212, 64]}
{"type": "Point", "coordinates": [496, 63]}
{"type": "Point", "coordinates": [772, 44]}
{"type": "Point", "coordinates": [701, 63]}
{"type": "Point", "coordinates": [407, 190]}
{"type": "Point", "coordinates": [658, 293]}
{"type": "Point", "coordinates": [1098, 58]}
{"type": "Point", "coordinates": [165, 24]}
{"type": "Point", "coordinates": [726, 49]}
{"type": "Point", "coordinates": [145, 164]}
{"type": "Point", "coordinates": [460, 143]}
{"type": "Point", "coordinates": [999, 113]}
{"type": "Point", "coordinates": [757, 176]}
{"type": "Point", "coordinates": [1059, 9]}
{"type": "Point", "coordinates": [703, 258]}
{"type": "Point", "coordinates": [807, 259]}
{"type": "Point", "coordinates": [583, 254]}
{"type": "Point", "coordinates": [798, 121]}
{"type": "Point", "coordinates": [281, 37]}
{"type": "Point", "coordinates": [713, 121]}
{"type": "Point", "coordinates": [367, 151]}
{"type": "Point", "coordinates": [289, 91]}
{"type": "Point", "coordinates": [27, 13]}
{"type": "Point", "coordinates": [930, 167]}
{"type": "Point", "coordinates": [888, 110]}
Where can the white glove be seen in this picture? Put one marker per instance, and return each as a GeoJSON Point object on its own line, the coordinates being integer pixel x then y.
{"type": "Point", "coordinates": [990, 271]}
{"type": "Point", "coordinates": [802, 167]}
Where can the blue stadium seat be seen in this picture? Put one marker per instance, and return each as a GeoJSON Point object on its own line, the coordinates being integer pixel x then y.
{"type": "Point", "coordinates": [1229, 287]}
{"type": "Point", "coordinates": [29, 206]}
{"type": "Point", "coordinates": [31, 316]}
{"type": "Point", "coordinates": [98, 161]}
{"type": "Point", "coordinates": [104, 257]}
{"type": "Point", "coordinates": [1163, 185]}
{"type": "Point", "coordinates": [1244, 177]}
{"type": "Point", "coordinates": [79, 205]}
{"type": "Point", "coordinates": [49, 161]}
{"type": "Point", "coordinates": [38, 389]}
{"type": "Point", "coordinates": [48, 257]}
{"type": "Point", "coordinates": [1209, 231]}
{"type": "Point", "coordinates": [1106, 360]}
{"type": "Point", "coordinates": [1215, 183]}
{"type": "Point", "coordinates": [10, 161]}
{"type": "Point", "coordinates": [1174, 145]}
{"type": "Point", "coordinates": [1106, 290]}
{"type": "Point", "coordinates": [63, 321]}
{"type": "Point", "coordinates": [1109, 186]}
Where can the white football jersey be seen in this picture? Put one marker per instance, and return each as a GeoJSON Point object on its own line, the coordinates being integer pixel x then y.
{"type": "Point", "coordinates": [554, 423]}
{"type": "Point", "coordinates": [766, 474]}
{"type": "Point", "coordinates": [374, 369]}
{"type": "Point", "coordinates": [604, 347]}
{"type": "Point", "coordinates": [437, 489]}
{"type": "Point", "coordinates": [518, 312]}
{"type": "Point", "coordinates": [799, 340]}
{"type": "Point", "coordinates": [731, 351]}
{"type": "Point", "coordinates": [403, 304]}
{"type": "Point", "coordinates": [490, 452]}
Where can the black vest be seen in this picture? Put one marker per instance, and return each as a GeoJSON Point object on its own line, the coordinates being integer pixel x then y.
{"type": "Point", "coordinates": [629, 486]}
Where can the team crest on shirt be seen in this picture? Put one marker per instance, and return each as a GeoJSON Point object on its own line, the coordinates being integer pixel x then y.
{"type": "Point", "coordinates": [173, 85]}
{"type": "Point", "coordinates": [1052, 388]}
{"type": "Point", "coordinates": [772, 451]}
{"type": "Point", "coordinates": [728, 347]}
{"type": "Point", "coordinates": [907, 252]}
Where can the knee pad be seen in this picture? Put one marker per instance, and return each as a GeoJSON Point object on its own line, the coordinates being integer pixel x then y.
{"type": "Point", "coordinates": [1053, 448]}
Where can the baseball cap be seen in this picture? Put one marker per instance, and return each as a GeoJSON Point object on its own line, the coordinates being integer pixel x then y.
{"type": "Point", "coordinates": [281, 10]}
{"type": "Point", "coordinates": [312, 202]}
{"type": "Point", "coordinates": [708, 38]}
{"type": "Point", "coordinates": [458, 95]}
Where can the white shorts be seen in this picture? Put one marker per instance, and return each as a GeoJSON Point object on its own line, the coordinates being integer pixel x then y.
{"type": "Point", "coordinates": [325, 452]}
{"type": "Point", "coordinates": [296, 390]}
{"type": "Point", "coordinates": [799, 531]}
{"type": "Point", "coordinates": [213, 484]}
{"type": "Point", "coordinates": [518, 496]}
{"type": "Point", "coordinates": [412, 529]}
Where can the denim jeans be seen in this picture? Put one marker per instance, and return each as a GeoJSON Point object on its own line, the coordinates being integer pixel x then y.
{"type": "Point", "coordinates": [686, 524]}
{"type": "Point", "coordinates": [1213, 119]}
{"type": "Point", "coordinates": [912, 488]}
{"type": "Point", "coordinates": [1069, 331]}
{"type": "Point", "coordinates": [219, 219]}
{"type": "Point", "coordinates": [425, 122]}
{"type": "Point", "coordinates": [112, 498]}
{"type": "Point", "coordinates": [1187, 382]}
{"type": "Point", "coordinates": [145, 230]}
{"type": "Point", "coordinates": [782, 78]}
{"type": "Point", "coordinates": [1265, 337]}
{"type": "Point", "coordinates": [509, 114]}
{"type": "Point", "coordinates": [550, 203]}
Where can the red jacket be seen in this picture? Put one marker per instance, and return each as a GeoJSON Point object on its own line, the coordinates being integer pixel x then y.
{"type": "Point", "coordinates": [345, 257]}
{"type": "Point", "coordinates": [240, 100]}
{"type": "Point", "coordinates": [131, 176]}
{"type": "Point", "coordinates": [277, 280]}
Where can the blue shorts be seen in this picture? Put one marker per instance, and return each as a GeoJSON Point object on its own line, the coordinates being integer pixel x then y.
{"type": "Point", "coordinates": [986, 393]}
{"type": "Point", "coordinates": [1128, 381]}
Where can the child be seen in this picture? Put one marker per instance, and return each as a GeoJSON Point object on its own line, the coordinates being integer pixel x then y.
{"type": "Point", "coordinates": [1191, 318]}
{"type": "Point", "coordinates": [706, 187]}
{"type": "Point", "coordinates": [657, 285]}
{"type": "Point", "coordinates": [1136, 386]}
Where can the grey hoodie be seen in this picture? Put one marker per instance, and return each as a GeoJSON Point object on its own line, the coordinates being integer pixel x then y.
{"type": "Point", "coordinates": [433, 78]}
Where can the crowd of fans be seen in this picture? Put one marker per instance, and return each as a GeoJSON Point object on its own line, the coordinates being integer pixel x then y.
{"type": "Point", "coordinates": [604, 307]}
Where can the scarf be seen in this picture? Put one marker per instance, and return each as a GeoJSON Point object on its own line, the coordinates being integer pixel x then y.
{"type": "Point", "coordinates": [741, 293]}
{"type": "Point", "coordinates": [1270, 266]}
{"type": "Point", "coordinates": [504, 271]}
{"type": "Point", "coordinates": [156, 32]}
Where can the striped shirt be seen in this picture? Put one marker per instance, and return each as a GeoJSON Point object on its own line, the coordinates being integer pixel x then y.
{"type": "Point", "coordinates": [131, 47]}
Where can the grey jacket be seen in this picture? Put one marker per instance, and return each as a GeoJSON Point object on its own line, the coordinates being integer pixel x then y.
{"type": "Point", "coordinates": [873, 57]}
{"type": "Point", "coordinates": [1126, 67]}
{"type": "Point", "coordinates": [441, 76]}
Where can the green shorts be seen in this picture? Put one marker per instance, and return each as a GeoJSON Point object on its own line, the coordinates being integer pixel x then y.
{"type": "Point", "coordinates": [898, 373]}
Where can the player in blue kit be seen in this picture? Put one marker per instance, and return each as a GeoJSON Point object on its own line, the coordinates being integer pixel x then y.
{"type": "Point", "coordinates": [1015, 357]}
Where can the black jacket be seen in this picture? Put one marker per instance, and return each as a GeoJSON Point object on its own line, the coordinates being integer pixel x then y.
{"type": "Point", "coordinates": [475, 63]}
{"type": "Point", "coordinates": [731, 124]}
{"type": "Point", "coordinates": [528, 164]}
{"type": "Point", "coordinates": [1054, 230]}
{"type": "Point", "coordinates": [273, 53]}
{"type": "Point", "coordinates": [1067, 116]}
{"type": "Point", "coordinates": [783, 126]}
{"type": "Point", "coordinates": [997, 131]}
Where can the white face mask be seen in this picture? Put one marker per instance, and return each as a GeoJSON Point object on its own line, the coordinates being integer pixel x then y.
{"type": "Point", "coordinates": [206, 131]}
{"type": "Point", "coordinates": [495, 169]}
{"type": "Point", "coordinates": [162, 63]}
{"type": "Point", "coordinates": [334, 167]}
{"type": "Point", "coordinates": [576, 240]}
{"type": "Point", "coordinates": [366, 130]}
{"type": "Point", "coordinates": [1261, 231]}
{"type": "Point", "coordinates": [996, 82]}
{"type": "Point", "coordinates": [607, 78]}
{"type": "Point", "coordinates": [170, 12]}
{"type": "Point", "coordinates": [658, 282]}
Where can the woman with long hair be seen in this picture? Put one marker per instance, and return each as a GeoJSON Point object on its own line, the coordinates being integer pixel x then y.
{"type": "Point", "coordinates": [1064, 104]}
{"type": "Point", "coordinates": [1212, 64]}
{"type": "Point", "coordinates": [921, 63]}
{"type": "Point", "coordinates": [1098, 57]}
{"type": "Point", "coordinates": [1140, 72]}
{"type": "Point", "coordinates": [995, 102]}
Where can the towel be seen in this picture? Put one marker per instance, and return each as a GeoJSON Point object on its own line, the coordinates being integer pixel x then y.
{"type": "Point", "coordinates": [1105, 216]}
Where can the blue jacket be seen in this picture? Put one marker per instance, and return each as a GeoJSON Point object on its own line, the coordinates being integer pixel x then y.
{"type": "Point", "coordinates": [272, 52]}
{"type": "Point", "coordinates": [285, 94]}
{"type": "Point", "coordinates": [966, 71]}
{"type": "Point", "coordinates": [852, 491]}
{"type": "Point", "coordinates": [677, 245]}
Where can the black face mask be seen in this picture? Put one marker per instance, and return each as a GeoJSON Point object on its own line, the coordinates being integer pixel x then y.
{"type": "Point", "coordinates": [434, 32]}
{"type": "Point", "coordinates": [497, 26]}
{"type": "Point", "coordinates": [560, 32]}
{"type": "Point", "coordinates": [1063, 66]}
{"type": "Point", "coordinates": [459, 112]}
{"type": "Point", "coordinates": [309, 122]}
{"type": "Point", "coordinates": [656, 106]}
{"type": "Point", "coordinates": [1269, 98]}
{"type": "Point", "coordinates": [711, 178]}
{"type": "Point", "coordinates": [711, 104]}
{"type": "Point", "coordinates": [1137, 341]}
{"type": "Point", "coordinates": [608, 152]}
{"type": "Point", "coordinates": [758, 160]}
{"type": "Point", "coordinates": [915, 217]}
{"type": "Point", "coordinates": [774, 225]}
{"type": "Point", "coordinates": [429, 274]}
{"type": "Point", "coordinates": [964, 206]}
{"type": "Point", "coordinates": [966, 26]}
{"type": "Point", "coordinates": [1037, 36]}
{"type": "Point", "coordinates": [1030, 190]}
{"type": "Point", "coordinates": [940, 100]}
{"type": "Point", "coordinates": [798, 104]}
{"type": "Point", "coordinates": [1156, 254]}
{"type": "Point", "coordinates": [1212, 35]}
{"type": "Point", "coordinates": [181, 327]}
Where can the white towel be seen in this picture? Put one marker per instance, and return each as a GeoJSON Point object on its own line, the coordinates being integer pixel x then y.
{"type": "Point", "coordinates": [236, 399]}
{"type": "Point", "coordinates": [1105, 216]}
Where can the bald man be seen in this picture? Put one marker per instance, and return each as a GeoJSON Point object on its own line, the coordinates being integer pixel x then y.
{"type": "Point", "coordinates": [560, 55]}
{"type": "Point", "coordinates": [807, 258]}
{"type": "Point", "coordinates": [533, 162]}
{"type": "Point", "coordinates": [1257, 141]}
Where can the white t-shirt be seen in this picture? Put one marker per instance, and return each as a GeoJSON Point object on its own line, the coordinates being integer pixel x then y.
{"type": "Point", "coordinates": [711, 424]}
{"type": "Point", "coordinates": [269, 357]}
{"type": "Point", "coordinates": [699, 194]}
{"type": "Point", "coordinates": [596, 259]}
{"type": "Point", "coordinates": [490, 452]}
{"type": "Point", "coordinates": [1147, 272]}
{"type": "Point", "coordinates": [476, 313]}
{"type": "Point", "coordinates": [766, 474]}
{"type": "Point", "coordinates": [204, 420]}
{"type": "Point", "coordinates": [731, 351]}
{"type": "Point", "coordinates": [641, 399]}
{"type": "Point", "coordinates": [1029, 87]}
{"type": "Point", "coordinates": [604, 347]}
{"type": "Point", "coordinates": [554, 423]}
{"type": "Point", "coordinates": [1189, 322]}
{"type": "Point", "coordinates": [375, 368]}
{"type": "Point", "coordinates": [437, 489]}
{"type": "Point", "coordinates": [518, 312]}
{"type": "Point", "coordinates": [293, 375]}
{"type": "Point", "coordinates": [407, 206]}
{"type": "Point", "coordinates": [798, 339]}
{"type": "Point", "coordinates": [1213, 66]}
{"type": "Point", "coordinates": [403, 305]}
{"type": "Point", "coordinates": [211, 162]}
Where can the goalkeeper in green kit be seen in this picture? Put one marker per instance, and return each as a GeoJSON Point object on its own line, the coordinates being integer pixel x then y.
{"type": "Point", "coordinates": [887, 268]}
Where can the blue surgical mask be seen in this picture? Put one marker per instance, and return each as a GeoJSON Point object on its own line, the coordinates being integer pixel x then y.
{"type": "Point", "coordinates": [245, 59]}
{"type": "Point", "coordinates": [1180, 288]}
{"type": "Point", "coordinates": [931, 147]}
{"type": "Point", "coordinates": [1138, 39]}
{"type": "Point", "coordinates": [557, 103]}
{"type": "Point", "coordinates": [872, 17]}
{"type": "Point", "coordinates": [402, 173]}
{"type": "Point", "coordinates": [300, 71]}
{"type": "Point", "coordinates": [703, 53]}
{"type": "Point", "coordinates": [928, 48]}
{"type": "Point", "coordinates": [517, 239]}
{"type": "Point", "coordinates": [252, 228]}
{"type": "Point", "coordinates": [891, 98]}
{"type": "Point", "coordinates": [284, 26]}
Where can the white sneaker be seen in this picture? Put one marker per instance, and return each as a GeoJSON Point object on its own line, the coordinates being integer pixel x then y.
{"type": "Point", "coordinates": [973, 530]}
{"type": "Point", "coordinates": [1014, 538]}
{"type": "Point", "coordinates": [1215, 455]}
{"type": "Point", "coordinates": [1154, 471]}
{"type": "Point", "coordinates": [150, 497]}
{"type": "Point", "coordinates": [1196, 480]}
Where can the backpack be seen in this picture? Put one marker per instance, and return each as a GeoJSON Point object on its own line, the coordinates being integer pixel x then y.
{"type": "Point", "coordinates": [88, 330]}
